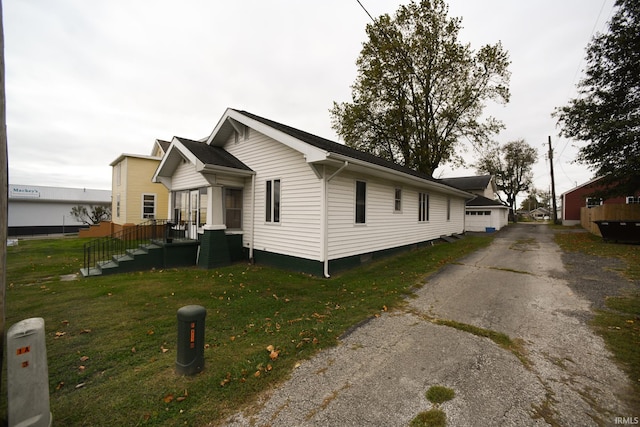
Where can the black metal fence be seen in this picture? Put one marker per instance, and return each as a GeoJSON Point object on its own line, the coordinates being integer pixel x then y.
{"type": "Point", "coordinates": [107, 248]}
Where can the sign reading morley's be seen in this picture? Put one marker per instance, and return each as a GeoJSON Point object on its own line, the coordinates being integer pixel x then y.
{"type": "Point", "coordinates": [21, 191]}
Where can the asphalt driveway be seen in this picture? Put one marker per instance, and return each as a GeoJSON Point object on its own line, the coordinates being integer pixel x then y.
{"type": "Point", "coordinates": [562, 373]}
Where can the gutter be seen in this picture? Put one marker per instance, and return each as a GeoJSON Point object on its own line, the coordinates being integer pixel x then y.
{"type": "Point", "coordinates": [443, 187]}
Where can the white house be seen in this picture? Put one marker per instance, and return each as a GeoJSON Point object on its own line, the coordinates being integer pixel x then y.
{"type": "Point", "coordinates": [279, 195]}
{"type": "Point", "coordinates": [36, 209]}
{"type": "Point", "coordinates": [484, 212]}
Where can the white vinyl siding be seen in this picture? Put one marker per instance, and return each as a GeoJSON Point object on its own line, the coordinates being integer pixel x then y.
{"type": "Point", "coordinates": [298, 232]}
{"type": "Point", "coordinates": [385, 230]}
{"type": "Point", "coordinates": [186, 177]}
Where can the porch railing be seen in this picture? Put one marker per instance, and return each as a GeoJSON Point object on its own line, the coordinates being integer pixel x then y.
{"type": "Point", "coordinates": [107, 248]}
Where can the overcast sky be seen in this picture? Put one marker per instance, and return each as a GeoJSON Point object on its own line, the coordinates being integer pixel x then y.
{"type": "Point", "coordinates": [89, 80]}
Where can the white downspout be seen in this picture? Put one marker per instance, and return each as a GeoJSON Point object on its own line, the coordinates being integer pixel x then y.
{"type": "Point", "coordinates": [325, 224]}
{"type": "Point", "coordinates": [253, 216]}
{"type": "Point", "coordinates": [325, 210]}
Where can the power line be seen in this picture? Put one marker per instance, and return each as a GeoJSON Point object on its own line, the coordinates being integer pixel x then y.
{"type": "Point", "coordinates": [367, 12]}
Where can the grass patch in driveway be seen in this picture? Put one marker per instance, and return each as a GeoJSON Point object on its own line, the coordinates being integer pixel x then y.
{"type": "Point", "coordinates": [619, 323]}
{"type": "Point", "coordinates": [111, 340]}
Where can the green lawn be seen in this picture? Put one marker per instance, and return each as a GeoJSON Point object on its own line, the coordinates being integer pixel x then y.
{"type": "Point", "coordinates": [111, 341]}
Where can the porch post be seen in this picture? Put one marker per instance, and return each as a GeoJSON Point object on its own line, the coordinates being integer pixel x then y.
{"type": "Point", "coordinates": [215, 208]}
{"type": "Point", "coordinates": [214, 248]}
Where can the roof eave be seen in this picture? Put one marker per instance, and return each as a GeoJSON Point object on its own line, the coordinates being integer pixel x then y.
{"type": "Point", "coordinates": [401, 176]}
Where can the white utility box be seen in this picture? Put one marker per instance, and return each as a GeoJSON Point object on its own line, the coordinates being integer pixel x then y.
{"type": "Point", "coordinates": [27, 375]}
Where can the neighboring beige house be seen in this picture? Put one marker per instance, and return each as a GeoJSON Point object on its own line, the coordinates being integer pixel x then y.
{"type": "Point", "coordinates": [136, 198]}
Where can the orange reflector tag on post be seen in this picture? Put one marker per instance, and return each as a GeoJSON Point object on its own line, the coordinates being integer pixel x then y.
{"type": "Point", "coordinates": [23, 350]}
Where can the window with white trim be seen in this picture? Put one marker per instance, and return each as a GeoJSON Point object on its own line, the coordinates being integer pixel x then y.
{"type": "Point", "coordinates": [272, 201]}
{"type": "Point", "coordinates": [148, 206]}
{"type": "Point", "coordinates": [633, 200]}
{"type": "Point", "coordinates": [397, 204]}
{"type": "Point", "coordinates": [118, 206]}
{"type": "Point", "coordinates": [423, 207]}
{"type": "Point", "coordinates": [233, 208]}
{"type": "Point", "coordinates": [591, 202]}
{"type": "Point", "coordinates": [361, 202]}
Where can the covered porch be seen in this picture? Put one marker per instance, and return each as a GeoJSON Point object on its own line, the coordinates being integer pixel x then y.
{"type": "Point", "coordinates": [207, 188]}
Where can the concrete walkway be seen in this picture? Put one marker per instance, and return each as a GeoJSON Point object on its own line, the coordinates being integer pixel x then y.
{"type": "Point", "coordinates": [379, 374]}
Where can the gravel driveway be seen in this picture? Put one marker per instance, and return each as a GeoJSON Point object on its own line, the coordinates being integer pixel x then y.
{"type": "Point", "coordinates": [523, 286]}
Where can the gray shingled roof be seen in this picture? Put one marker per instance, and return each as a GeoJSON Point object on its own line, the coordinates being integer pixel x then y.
{"type": "Point", "coordinates": [468, 183]}
{"type": "Point", "coordinates": [210, 155]}
{"type": "Point", "coordinates": [164, 144]}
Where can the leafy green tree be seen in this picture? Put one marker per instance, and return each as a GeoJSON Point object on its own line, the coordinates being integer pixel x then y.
{"type": "Point", "coordinates": [420, 91]}
{"type": "Point", "coordinates": [92, 215]}
{"type": "Point", "coordinates": [510, 165]}
{"type": "Point", "coordinates": [606, 112]}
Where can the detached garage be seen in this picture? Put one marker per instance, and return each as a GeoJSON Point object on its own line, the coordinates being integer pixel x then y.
{"type": "Point", "coordinates": [483, 214]}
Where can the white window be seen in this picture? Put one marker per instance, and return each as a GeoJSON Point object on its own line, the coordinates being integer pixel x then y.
{"type": "Point", "coordinates": [233, 208]}
{"type": "Point", "coordinates": [591, 202]}
{"type": "Point", "coordinates": [633, 200]}
{"type": "Point", "coordinates": [272, 201]}
{"type": "Point", "coordinates": [148, 206]}
{"type": "Point", "coordinates": [118, 206]}
{"type": "Point", "coordinates": [397, 205]}
{"type": "Point", "coordinates": [118, 173]}
{"type": "Point", "coordinates": [423, 207]}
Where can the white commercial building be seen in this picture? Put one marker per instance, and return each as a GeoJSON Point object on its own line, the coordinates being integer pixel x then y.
{"type": "Point", "coordinates": [35, 209]}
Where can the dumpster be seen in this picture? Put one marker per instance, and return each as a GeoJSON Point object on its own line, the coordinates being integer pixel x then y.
{"type": "Point", "coordinates": [620, 231]}
{"type": "Point", "coordinates": [27, 375]}
{"type": "Point", "coordinates": [190, 356]}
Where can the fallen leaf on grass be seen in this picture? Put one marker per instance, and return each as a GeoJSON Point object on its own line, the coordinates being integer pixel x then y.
{"type": "Point", "coordinates": [226, 380]}
{"type": "Point", "coordinates": [81, 368]}
{"type": "Point", "coordinates": [84, 358]}
{"type": "Point", "coordinates": [80, 385]}
{"type": "Point", "coordinates": [257, 374]}
{"type": "Point", "coordinates": [164, 350]}
{"type": "Point", "coordinates": [60, 334]}
{"type": "Point", "coordinates": [168, 398]}
{"type": "Point", "coordinates": [65, 322]}
{"type": "Point", "coordinates": [85, 331]}
{"type": "Point", "coordinates": [274, 355]}
{"type": "Point", "coordinates": [270, 348]}
{"type": "Point", "coordinates": [60, 385]}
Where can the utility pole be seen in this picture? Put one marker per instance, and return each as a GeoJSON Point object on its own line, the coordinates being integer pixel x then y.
{"type": "Point", "coordinates": [553, 186]}
{"type": "Point", "coordinates": [4, 195]}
